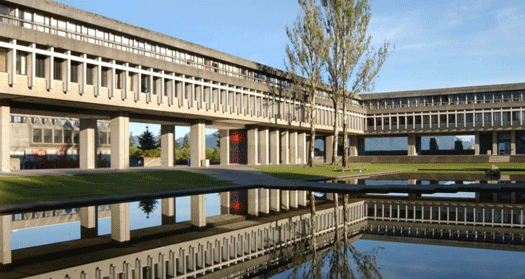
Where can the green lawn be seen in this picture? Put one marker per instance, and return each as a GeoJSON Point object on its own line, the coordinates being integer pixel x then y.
{"type": "Point", "coordinates": [303, 172]}
{"type": "Point", "coordinates": [53, 188]}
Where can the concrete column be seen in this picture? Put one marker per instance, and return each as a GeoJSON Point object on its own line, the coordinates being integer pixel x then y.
{"type": "Point", "coordinates": [294, 158]}
{"type": "Point", "coordinates": [513, 142]}
{"type": "Point", "coordinates": [329, 196]}
{"type": "Point", "coordinates": [274, 147]}
{"type": "Point", "coordinates": [225, 203]}
{"type": "Point", "coordinates": [285, 148]}
{"type": "Point", "coordinates": [197, 144]}
{"type": "Point", "coordinates": [412, 145]}
{"type": "Point", "coordinates": [119, 129]}
{"type": "Point", "coordinates": [285, 199]}
{"type": "Point", "coordinates": [167, 145]}
{"type": "Point", "coordinates": [5, 239]}
{"type": "Point", "coordinates": [225, 147]}
{"type": "Point", "coordinates": [265, 201]}
{"type": "Point", "coordinates": [49, 69]}
{"type": "Point", "coordinates": [302, 148]}
{"type": "Point", "coordinates": [328, 147]}
{"type": "Point", "coordinates": [168, 211]}
{"type": "Point", "coordinates": [302, 198]}
{"type": "Point", "coordinates": [88, 222]}
{"type": "Point", "coordinates": [264, 149]}
{"type": "Point", "coordinates": [275, 200]}
{"type": "Point", "coordinates": [353, 145]}
{"type": "Point", "coordinates": [87, 142]}
{"type": "Point", "coordinates": [120, 222]}
{"type": "Point", "coordinates": [11, 65]}
{"type": "Point", "coordinates": [494, 143]}
{"type": "Point", "coordinates": [198, 210]}
{"type": "Point", "coordinates": [294, 199]}
{"type": "Point", "coordinates": [476, 144]}
{"type": "Point", "coordinates": [253, 146]}
{"type": "Point", "coordinates": [5, 129]}
{"type": "Point", "coordinates": [253, 202]}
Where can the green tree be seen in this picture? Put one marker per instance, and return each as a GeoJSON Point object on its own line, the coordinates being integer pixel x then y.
{"type": "Point", "coordinates": [186, 142]}
{"type": "Point", "coordinates": [147, 140]}
{"type": "Point", "coordinates": [305, 56]}
{"type": "Point", "coordinates": [131, 139]}
{"type": "Point", "coordinates": [352, 60]}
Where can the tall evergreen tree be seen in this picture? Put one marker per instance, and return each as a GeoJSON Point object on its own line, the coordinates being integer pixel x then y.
{"type": "Point", "coordinates": [186, 142]}
{"type": "Point", "coordinates": [147, 140]}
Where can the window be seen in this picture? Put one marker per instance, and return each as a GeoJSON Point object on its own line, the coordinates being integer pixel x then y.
{"type": "Point", "coordinates": [461, 118]}
{"type": "Point", "coordinates": [479, 118]}
{"type": "Point", "coordinates": [469, 117]}
{"type": "Point", "coordinates": [40, 66]}
{"type": "Point", "coordinates": [497, 116]}
{"type": "Point", "coordinates": [90, 74]}
{"type": "Point", "coordinates": [37, 135]}
{"type": "Point", "coordinates": [21, 63]}
{"type": "Point", "coordinates": [506, 116]}
{"type": "Point", "coordinates": [18, 119]}
{"type": "Point", "coordinates": [103, 138]}
{"type": "Point", "coordinates": [144, 82]}
{"type": "Point", "coordinates": [57, 71]}
{"type": "Point", "coordinates": [104, 77]}
{"type": "Point", "coordinates": [3, 60]}
{"type": "Point", "coordinates": [74, 71]}
{"type": "Point", "coordinates": [75, 137]}
{"type": "Point", "coordinates": [48, 136]}
{"type": "Point", "coordinates": [68, 136]}
{"type": "Point", "coordinates": [58, 136]}
{"type": "Point", "coordinates": [487, 117]}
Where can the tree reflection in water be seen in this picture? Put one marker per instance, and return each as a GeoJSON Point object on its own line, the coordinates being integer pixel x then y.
{"type": "Point", "coordinates": [148, 206]}
{"type": "Point", "coordinates": [342, 258]}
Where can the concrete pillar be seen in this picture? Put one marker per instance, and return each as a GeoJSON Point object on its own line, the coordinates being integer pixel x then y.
{"type": "Point", "coordinates": [285, 199]}
{"type": "Point", "coordinates": [294, 199]}
{"type": "Point", "coordinates": [11, 64]}
{"type": "Point", "coordinates": [120, 231]}
{"type": "Point", "coordinates": [330, 196]}
{"type": "Point", "coordinates": [225, 146]}
{"type": "Point", "coordinates": [353, 146]}
{"type": "Point", "coordinates": [5, 239]}
{"type": "Point", "coordinates": [119, 130]}
{"type": "Point", "coordinates": [302, 198]}
{"type": "Point", "coordinates": [5, 129]}
{"type": "Point", "coordinates": [88, 222]}
{"type": "Point", "coordinates": [274, 147]}
{"type": "Point", "coordinates": [275, 200]}
{"type": "Point", "coordinates": [328, 147]}
{"type": "Point", "coordinates": [513, 142]}
{"type": "Point", "coordinates": [302, 148]}
{"type": "Point", "coordinates": [167, 151]}
{"type": "Point", "coordinates": [225, 203]}
{"type": "Point", "coordinates": [197, 144]}
{"type": "Point", "coordinates": [253, 146]}
{"type": "Point", "coordinates": [494, 143]}
{"type": "Point", "coordinates": [168, 211]}
{"type": "Point", "coordinates": [253, 202]}
{"type": "Point", "coordinates": [294, 158]}
{"type": "Point", "coordinates": [476, 144]}
{"type": "Point", "coordinates": [285, 148]}
{"type": "Point", "coordinates": [87, 142]}
{"type": "Point", "coordinates": [265, 201]}
{"type": "Point", "coordinates": [264, 148]}
{"type": "Point", "coordinates": [198, 210]}
{"type": "Point", "coordinates": [412, 145]}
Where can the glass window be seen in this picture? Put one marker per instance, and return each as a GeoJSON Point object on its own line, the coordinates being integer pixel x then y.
{"type": "Point", "coordinates": [57, 71]}
{"type": "Point", "coordinates": [487, 117]}
{"type": "Point", "coordinates": [21, 63]}
{"type": "Point", "coordinates": [58, 136]}
{"type": "Point", "coordinates": [461, 118]}
{"type": "Point", "coordinates": [469, 117]}
{"type": "Point", "coordinates": [40, 66]}
{"type": "Point", "coordinates": [90, 75]}
{"type": "Point", "coordinates": [48, 136]}
{"type": "Point", "coordinates": [37, 135]}
{"type": "Point", "coordinates": [479, 117]}
{"type": "Point", "coordinates": [497, 116]}
{"type": "Point", "coordinates": [516, 116]}
{"type": "Point", "coordinates": [506, 116]}
{"type": "Point", "coordinates": [103, 138]}
{"type": "Point", "coordinates": [68, 136]}
{"type": "Point", "coordinates": [74, 71]}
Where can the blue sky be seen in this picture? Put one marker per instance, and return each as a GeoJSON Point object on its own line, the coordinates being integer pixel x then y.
{"type": "Point", "coordinates": [436, 43]}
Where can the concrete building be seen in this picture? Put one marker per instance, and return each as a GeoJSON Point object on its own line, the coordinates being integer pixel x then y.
{"type": "Point", "coordinates": [58, 60]}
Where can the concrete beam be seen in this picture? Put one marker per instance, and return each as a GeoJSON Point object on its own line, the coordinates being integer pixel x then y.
{"type": "Point", "coordinates": [253, 146]}
{"type": "Point", "coordinates": [198, 210]}
{"type": "Point", "coordinates": [225, 203]}
{"type": "Point", "coordinates": [274, 147]}
{"type": "Point", "coordinates": [285, 148]}
{"type": "Point", "coordinates": [88, 222]}
{"type": "Point", "coordinates": [87, 142]}
{"type": "Point", "coordinates": [119, 130]}
{"type": "Point", "coordinates": [294, 158]}
{"type": "Point", "coordinates": [5, 239]}
{"type": "Point", "coordinates": [5, 129]}
{"type": "Point", "coordinates": [328, 148]}
{"type": "Point", "coordinates": [120, 230]}
{"type": "Point", "coordinates": [253, 202]}
{"type": "Point", "coordinates": [167, 145]}
{"type": "Point", "coordinates": [264, 148]}
{"type": "Point", "coordinates": [225, 146]}
{"type": "Point", "coordinates": [168, 211]}
{"type": "Point", "coordinates": [302, 148]}
{"type": "Point", "coordinates": [197, 144]}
